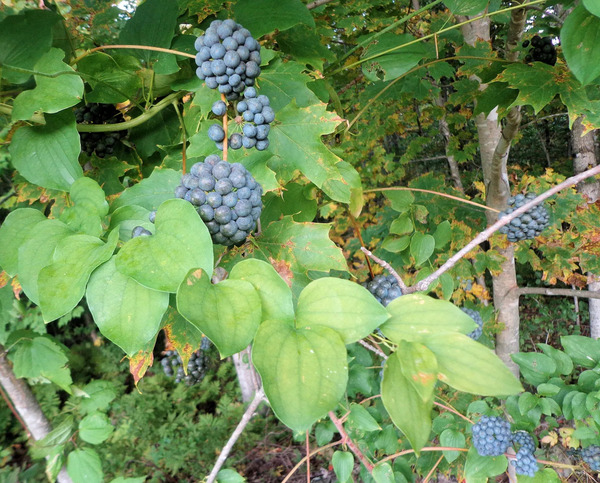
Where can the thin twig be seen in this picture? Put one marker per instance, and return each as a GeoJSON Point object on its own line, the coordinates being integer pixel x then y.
{"type": "Point", "coordinates": [134, 47]}
{"type": "Point", "coordinates": [433, 469]}
{"type": "Point", "coordinates": [523, 126]}
{"type": "Point", "coordinates": [427, 449]}
{"type": "Point", "coordinates": [307, 459]}
{"type": "Point", "coordinates": [437, 193]}
{"type": "Point", "coordinates": [248, 414]}
{"type": "Point", "coordinates": [388, 267]}
{"type": "Point", "coordinates": [489, 231]}
{"type": "Point", "coordinates": [317, 3]}
{"type": "Point", "coordinates": [356, 228]}
{"type": "Point", "coordinates": [224, 99]}
{"type": "Point", "coordinates": [453, 411]}
{"type": "Point", "coordinates": [183, 135]}
{"type": "Point", "coordinates": [351, 444]}
{"type": "Point", "coordinates": [372, 349]}
{"type": "Point", "coordinates": [560, 292]}
{"type": "Point", "coordinates": [312, 453]}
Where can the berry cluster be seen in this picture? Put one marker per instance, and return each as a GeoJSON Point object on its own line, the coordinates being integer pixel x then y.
{"type": "Point", "coordinates": [524, 441]}
{"type": "Point", "coordinates": [228, 58]}
{"type": "Point", "coordinates": [226, 196]}
{"type": "Point", "coordinates": [196, 368]}
{"type": "Point", "coordinates": [542, 50]}
{"type": "Point", "coordinates": [102, 143]}
{"type": "Point", "coordinates": [384, 288]}
{"type": "Point", "coordinates": [468, 283]}
{"type": "Point", "coordinates": [257, 115]}
{"type": "Point", "coordinates": [530, 224]}
{"type": "Point", "coordinates": [524, 463]}
{"type": "Point", "coordinates": [591, 455]}
{"type": "Point", "coordinates": [491, 436]}
{"type": "Point", "coordinates": [476, 316]}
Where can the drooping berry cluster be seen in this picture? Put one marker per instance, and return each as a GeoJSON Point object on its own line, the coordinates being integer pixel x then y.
{"type": "Point", "coordinates": [197, 366]}
{"type": "Point", "coordinates": [476, 316]}
{"type": "Point", "coordinates": [524, 463]}
{"type": "Point", "coordinates": [591, 455]}
{"type": "Point", "coordinates": [542, 50]}
{"type": "Point", "coordinates": [491, 436]}
{"type": "Point", "coordinates": [384, 288]}
{"type": "Point", "coordinates": [530, 224]}
{"type": "Point", "coordinates": [523, 440]}
{"type": "Point", "coordinates": [228, 58]}
{"type": "Point", "coordinates": [257, 114]}
{"type": "Point", "coordinates": [101, 143]}
{"type": "Point", "coordinates": [226, 196]}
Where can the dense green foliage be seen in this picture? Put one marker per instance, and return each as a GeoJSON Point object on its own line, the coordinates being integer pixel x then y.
{"type": "Point", "coordinates": [350, 106]}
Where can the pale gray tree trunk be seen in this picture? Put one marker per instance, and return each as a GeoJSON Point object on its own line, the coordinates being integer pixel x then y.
{"type": "Point", "coordinates": [584, 149]}
{"type": "Point", "coordinates": [26, 406]}
{"type": "Point", "coordinates": [494, 145]}
{"type": "Point", "coordinates": [248, 378]}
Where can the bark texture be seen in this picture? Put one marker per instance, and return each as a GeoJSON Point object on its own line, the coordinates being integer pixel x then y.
{"type": "Point", "coordinates": [494, 142]}
{"type": "Point", "coordinates": [26, 406]}
{"type": "Point", "coordinates": [452, 164]}
{"type": "Point", "coordinates": [248, 378]}
{"type": "Point", "coordinates": [584, 150]}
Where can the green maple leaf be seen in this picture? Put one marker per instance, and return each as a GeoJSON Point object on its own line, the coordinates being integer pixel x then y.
{"type": "Point", "coordinates": [284, 81]}
{"type": "Point", "coordinates": [537, 84]}
{"type": "Point", "coordinates": [296, 138]}
{"type": "Point", "coordinates": [575, 98]}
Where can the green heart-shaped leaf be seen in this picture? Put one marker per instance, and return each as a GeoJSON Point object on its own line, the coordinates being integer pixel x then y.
{"type": "Point", "coordinates": [404, 404]}
{"type": "Point", "coordinates": [89, 208]}
{"type": "Point", "coordinates": [304, 371]}
{"type": "Point", "coordinates": [469, 366]}
{"type": "Point", "coordinates": [419, 366]}
{"type": "Point", "coordinates": [14, 231]}
{"type": "Point", "coordinates": [275, 295]}
{"type": "Point", "coordinates": [416, 316]}
{"type": "Point", "coordinates": [95, 428]}
{"type": "Point", "coordinates": [348, 308]}
{"type": "Point", "coordinates": [37, 251]}
{"type": "Point", "coordinates": [127, 313]}
{"type": "Point", "coordinates": [181, 242]}
{"type": "Point", "coordinates": [62, 284]}
{"type": "Point", "coordinates": [228, 313]}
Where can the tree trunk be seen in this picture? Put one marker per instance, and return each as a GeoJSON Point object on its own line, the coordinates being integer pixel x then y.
{"type": "Point", "coordinates": [445, 131]}
{"type": "Point", "coordinates": [248, 378]}
{"type": "Point", "coordinates": [494, 146]}
{"type": "Point", "coordinates": [584, 149]}
{"type": "Point", "coordinates": [26, 406]}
